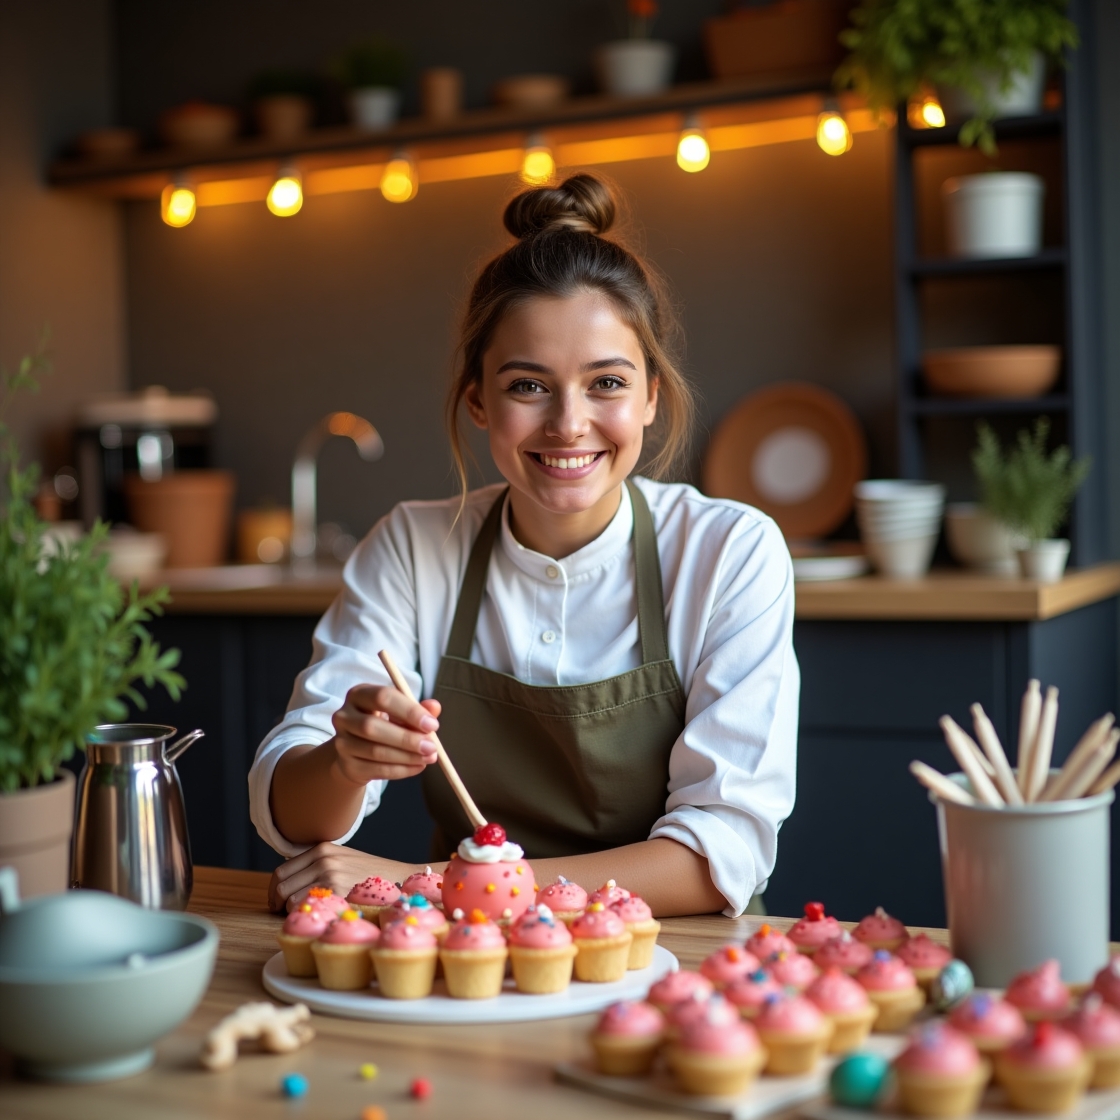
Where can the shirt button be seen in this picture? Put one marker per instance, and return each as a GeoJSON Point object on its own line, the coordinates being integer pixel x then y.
{"type": "Point", "coordinates": [549, 636]}
{"type": "Point", "coordinates": [552, 571]}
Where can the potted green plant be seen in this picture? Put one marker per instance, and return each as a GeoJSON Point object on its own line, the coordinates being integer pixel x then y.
{"type": "Point", "coordinates": [1030, 490]}
{"type": "Point", "coordinates": [637, 65]}
{"type": "Point", "coordinates": [373, 72]}
{"type": "Point", "coordinates": [283, 102]}
{"type": "Point", "coordinates": [991, 51]}
{"type": "Point", "coordinates": [73, 649]}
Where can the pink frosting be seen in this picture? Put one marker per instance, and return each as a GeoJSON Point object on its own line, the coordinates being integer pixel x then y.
{"type": "Point", "coordinates": [538, 929]}
{"type": "Point", "coordinates": [563, 896]}
{"type": "Point", "coordinates": [632, 909]}
{"type": "Point", "coordinates": [1107, 982]}
{"type": "Point", "coordinates": [790, 1015]}
{"type": "Point", "coordinates": [985, 1016]}
{"type": "Point", "coordinates": [407, 933]}
{"type": "Point", "coordinates": [844, 952]}
{"type": "Point", "coordinates": [767, 940]}
{"type": "Point", "coordinates": [938, 1049]}
{"type": "Point", "coordinates": [679, 985]}
{"type": "Point", "coordinates": [753, 990]}
{"type": "Point", "coordinates": [878, 927]}
{"type": "Point", "coordinates": [476, 931]}
{"type": "Point", "coordinates": [631, 1018]}
{"type": "Point", "coordinates": [812, 931]}
{"type": "Point", "coordinates": [1045, 1046]}
{"type": "Point", "coordinates": [598, 921]}
{"type": "Point", "coordinates": [1095, 1023]}
{"type": "Point", "coordinates": [921, 952]}
{"type": "Point", "coordinates": [502, 890]}
{"type": "Point", "coordinates": [736, 1039]}
{"type": "Point", "coordinates": [714, 1008]}
{"type": "Point", "coordinates": [885, 973]}
{"type": "Point", "coordinates": [429, 883]}
{"type": "Point", "coordinates": [415, 906]}
{"type": "Point", "coordinates": [794, 970]}
{"type": "Point", "coordinates": [374, 891]}
{"type": "Point", "coordinates": [729, 964]}
{"type": "Point", "coordinates": [350, 928]}
{"type": "Point", "coordinates": [1039, 990]}
{"type": "Point", "coordinates": [324, 898]}
{"type": "Point", "coordinates": [836, 993]}
{"type": "Point", "coordinates": [608, 894]}
{"type": "Point", "coordinates": [307, 921]}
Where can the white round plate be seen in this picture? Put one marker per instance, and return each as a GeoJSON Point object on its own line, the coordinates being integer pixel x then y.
{"type": "Point", "coordinates": [511, 1006]}
{"type": "Point", "coordinates": [828, 567]}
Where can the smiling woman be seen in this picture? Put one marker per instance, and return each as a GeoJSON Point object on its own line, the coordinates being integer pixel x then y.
{"type": "Point", "coordinates": [608, 660]}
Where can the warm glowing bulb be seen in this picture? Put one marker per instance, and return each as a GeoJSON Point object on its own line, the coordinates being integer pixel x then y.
{"type": "Point", "coordinates": [538, 166]}
{"type": "Point", "coordinates": [285, 197]}
{"type": "Point", "coordinates": [177, 205]}
{"type": "Point", "coordinates": [398, 183]}
{"type": "Point", "coordinates": [693, 152]}
{"type": "Point", "coordinates": [833, 134]}
{"type": "Point", "coordinates": [925, 112]}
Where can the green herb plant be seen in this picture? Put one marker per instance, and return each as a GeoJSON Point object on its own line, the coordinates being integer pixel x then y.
{"type": "Point", "coordinates": [73, 646]}
{"type": "Point", "coordinates": [898, 47]}
{"type": "Point", "coordinates": [1027, 489]}
{"type": "Point", "coordinates": [376, 62]}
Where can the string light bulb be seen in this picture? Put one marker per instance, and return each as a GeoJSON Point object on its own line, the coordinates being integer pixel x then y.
{"type": "Point", "coordinates": [398, 181]}
{"type": "Point", "coordinates": [537, 165]}
{"type": "Point", "coordinates": [285, 196]}
{"type": "Point", "coordinates": [834, 137]}
{"type": "Point", "coordinates": [693, 153]}
{"type": "Point", "coordinates": [925, 111]}
{"type": "Point", "coordinates": [177, 205]}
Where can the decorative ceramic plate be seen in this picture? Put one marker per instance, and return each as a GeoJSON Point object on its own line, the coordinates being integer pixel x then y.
{"type": "Point", "coordinates": [792, 450]}
{"type": "Point", "coordinates": [511, 1006]}
{"type": "Point", "coordinates": [823, 568]}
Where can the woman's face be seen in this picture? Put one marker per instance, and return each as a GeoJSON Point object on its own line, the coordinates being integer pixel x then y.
{"type": "Point", "coordinates": [565, 399]}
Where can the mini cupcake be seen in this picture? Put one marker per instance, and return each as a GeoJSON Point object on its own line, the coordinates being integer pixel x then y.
{"type": "Point", "coordinates": [726, 965]}
{"type": "Point", "coordinates": [940, 1073]}
{"type": "Point", "coordinates": [429, 883]}
{"type": "Point", "coordinates": [373, 895]}
{"type": "Point", "coordinates": [643, 927]}
{"type": "Point", "coordinates": [342, 952]}
{"type": "Point", "coordinates": [714, 1008]}
{"type": "Point", "coordinates": [924, 958]}
{"type": "Point", "coordinates": [405, 960]}
{"type": "Point", "coordinates": [677, 987]}
{"type": "Point", "coordinates": [1044, 1071]}
{"type": "Point", "coordinates": [795, 1032]}
{"type": "Point", "coordinates": [1040, 993]}
{"type": "Point", "coordinates": [324, 898]}
{"type": "Point", "coordinates": [881, 931]}
{"type": "Point", "coordinates": [473, 956]}
{"type": "Point", "coordinates": [767, 940]}
{"type": "Point", "coordinates": [608, 894]}
{"type": "Point", "coordinates": [626, 1038]}
{"type": "Point", "coordinates": [846, 1005]}
{"type": "Point", "coordinates": [812, 931]}
{"type": "Point", "coordinates": [792, 970]}
{"type": "Point", "coordinates": [1096, 1026]}
{"type": "Point", "coordinates": [301, 927]}
{"type": "Point", "coordinates": [566, 900]}
{"type": "Point", "coordinates": [891, 986]}
{"type": "Point", "coordinates": [603, 942]}
{"type": "Point", "coordinates": [843, 952]}
{"type": "Point", "coordinates": [541, 952]}
{"type": "Point", "coordinates": [716, 1059]}
{"type": "Point", "coordinates": [750, 994]}
{"type": "Point", "coordinates": [1107, 982]}
{"type": "Point", "coordinates": [993, 1024]}
{"type": "Point", "coordinates": [416, 906]}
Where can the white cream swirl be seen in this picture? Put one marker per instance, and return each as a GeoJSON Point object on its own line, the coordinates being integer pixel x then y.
{"type": "Point", "coordinates": [490, 853]}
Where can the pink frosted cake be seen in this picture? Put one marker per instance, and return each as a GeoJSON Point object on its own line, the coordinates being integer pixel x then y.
{"type": "Point", "coordinates": [1044, 1071]}
{"type": "Point", "coordinates": [993, 1024]}
{"type": "Point", "coordinates": [566, 900]}
{"type": "Point", "coordinates": [1107, 982]}
{"type": "Point", "coordinates": [716, 1059]}
{"type": "Point", "coordinates": [726, 965]}
{"type": "Point", "coordinates": [416, 906]}
{"type": "Point", "coordinates": [324, 898]}
{"type": "Point", "coordinates": [940, 1073]}
{"type": "Point", "coordinates": [843, 952]}
{"type": "Point", "coordinates": [881, 931]}
{"type": "Point", "coordinates": [489, 873]}
{"type": "Point", "coordinates": [847, 1006]}
{"type": "Point", "coordinates": [891, 986]}
{"type": "Point", "coordinates": [626, 1038]}
{"type": "Point", "coordinates": [677, 987]}
{"type": "Point", "coordinates": [608, 894]}
{"type": "Point", "coordinates": [795, 1033]}
{"type": "Point", "coordinates": [1096, 1026]}
{"type": "Point", "coordinates": [429, 883]}
{"type": "Point", "coordinates": [812, 931]}
{"type": "Point", "coordinates": [924, 958]}
{"type": "Point", "coordinates": [792, 970]}
{"type": "Point", "coordinates": [766, 940]}
{"type": "Point", "coordinates": [751, 993]}
{"type": "Point", "coordinates": [1040, 993]}
{"type": "Point", "coordinates": [373, 895]}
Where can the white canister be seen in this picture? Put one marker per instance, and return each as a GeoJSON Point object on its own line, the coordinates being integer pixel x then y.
{"type": "Point", "coordinates": [998, 214]}
{"type": "Point", "coordinates": [1044, 561]}
{"type": "Point", "coordinates": [374, 107]}
{"type": "Point", "coordinates": [635, 67]}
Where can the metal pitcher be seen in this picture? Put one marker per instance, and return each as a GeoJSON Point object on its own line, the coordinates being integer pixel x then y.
{"type": "Point", "coordinates": [130, 836]}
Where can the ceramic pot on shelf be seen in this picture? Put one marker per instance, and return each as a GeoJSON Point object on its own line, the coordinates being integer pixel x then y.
{"type": "Point", "coordinates": [283, 116]}
{"type": "Point", "coordinates": [1044, 561]}
{"type": "Point", "coordinates": [995, 214]}
{"type": "Point", "coordinates": [635, 67]}
{"type": "Point", "coordinates": [36, 826]}
{"type": "Point", "coordinates": [374, 107]}
{"type": "Point", "coordinates": [1022, 98]}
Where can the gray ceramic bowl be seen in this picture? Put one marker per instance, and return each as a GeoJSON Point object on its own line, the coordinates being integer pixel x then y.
{"type": "Point", "coordinates": [89, 981]}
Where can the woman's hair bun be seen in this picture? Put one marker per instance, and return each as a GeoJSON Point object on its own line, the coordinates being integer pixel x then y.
{"type": "Point", "coordinates": [580, 202]}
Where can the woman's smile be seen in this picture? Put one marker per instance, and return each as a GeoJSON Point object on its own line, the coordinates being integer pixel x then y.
{"type": "Point", "coordinates": [569, 465]}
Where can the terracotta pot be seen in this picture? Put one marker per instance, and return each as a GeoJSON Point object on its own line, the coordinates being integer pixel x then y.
{"type": "Point", "coordinates": [531, 91]}
{"type": "Point", "coordinates": [283, 116]}
{"type": "Point", "coordinates": [190, 508]}
{"type": "Point", "coordinates": [441, 93]}
{"type": "Point", "coordinates": [198, 124]}
{"type": "Point", "coordinates": [35, 829]}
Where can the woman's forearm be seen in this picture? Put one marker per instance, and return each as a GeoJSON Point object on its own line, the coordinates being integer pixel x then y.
{"type": "Point", "coordinates": [311, 800]}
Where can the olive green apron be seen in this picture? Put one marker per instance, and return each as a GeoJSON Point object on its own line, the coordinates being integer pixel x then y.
{"type": "Point", "coordinates": [566, 769]}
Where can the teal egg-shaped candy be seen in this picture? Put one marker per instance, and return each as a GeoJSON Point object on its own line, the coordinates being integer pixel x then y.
{"type": "Point", "coordinates": [951, 985]}
{"type": "Point", "coordinates": [858, 1080]}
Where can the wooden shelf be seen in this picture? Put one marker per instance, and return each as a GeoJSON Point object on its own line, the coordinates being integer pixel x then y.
{"type": "Point", "coordinates": [985, 406]}
{"type": "Point", "coordinates": [935, 267]}
{"type": "Point", "coordinates": [1010, 128]}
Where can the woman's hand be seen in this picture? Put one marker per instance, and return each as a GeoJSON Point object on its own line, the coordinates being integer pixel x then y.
{"type": "Point", "coordinates": [329, 865]}
{"type": "Point", "coordinates": [381, 734]}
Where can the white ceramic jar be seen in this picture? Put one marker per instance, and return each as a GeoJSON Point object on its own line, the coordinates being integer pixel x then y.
{"type": "Point", "coordinates": [374, 107]}
{"type": "Point", "coordinates": [635, 67]}
{"type": "Point", "coordinates": [997, 214]}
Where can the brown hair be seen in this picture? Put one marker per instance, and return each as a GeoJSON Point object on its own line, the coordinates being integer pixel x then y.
{"type": "Point", "coordinates": [561, 250]}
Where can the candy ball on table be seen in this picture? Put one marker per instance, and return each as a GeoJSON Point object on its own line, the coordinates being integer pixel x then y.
{"type": "Point", "coordinates": [858, 1080]}
{"type": "Point", "coordinates": [489, 873]}
{"type": "Point", "coordinates": [951, 985]}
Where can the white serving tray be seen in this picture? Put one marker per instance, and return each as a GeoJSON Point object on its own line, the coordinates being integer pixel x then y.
{"type": "Point", "coordinates": [511, 1006]}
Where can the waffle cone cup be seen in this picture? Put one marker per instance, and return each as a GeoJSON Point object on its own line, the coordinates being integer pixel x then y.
{"type": "Point", "coordinates": [850, 1028]}
{"type": "Point", "coordinates": [474, 973]}
{"type": "Point", "coordinates": [566, 916]}
{"type": "Point", "coordinates": [541, 972]}
{"type": "Point", "coordinates": [921, 1094]}
{"type": "Point", "coordinates": [896, 1008]}
{"type": "Point", "coordinates": [371, 913]}
{"type": "Point", "coordinates": [343, 968]}
{"type": "Point", "coordinates": [298, 958]}
{"type": "Point", "coordinates": [1106, 1067]}
{"type": "Point", "coordinates": [794, 1053]}
{"type": "Point", "coordinates": [624, 1055]}
{"type": "Point", "coordinates": [641, 948]}
{"type": "Point", "coordinates": [404, 973]}
{"type": "Point", "coordinates": [715, 1075]}
{"type": "Point", "coordinates": [603, 959]}
{"type": "Point", "coordinates": [1043, 1090]}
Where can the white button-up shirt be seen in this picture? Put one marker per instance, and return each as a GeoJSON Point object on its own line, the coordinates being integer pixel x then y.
{"type": "Point", "coordinates": [728, 586]}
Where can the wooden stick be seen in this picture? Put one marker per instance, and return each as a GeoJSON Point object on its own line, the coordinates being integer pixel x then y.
{"type": "Point", "coordinates": [1094, 768]}
{"type": "Point", "coordinates": [465, 799]}
{"type": "Point", "coordinates": [993, 748]}
{"type": "Point", "coordinates": [1095, 735]}
{"type": "Point", "coordinates": [1043, 748]}
{"type": "Point", "coordinates": [967, 753]}
{"type": "Point", "coordinates": [1106, 781]}
{"type": "Point", "coordinates": [945, 788]}
{"type": "Point", "coordinates": [1028, 731]}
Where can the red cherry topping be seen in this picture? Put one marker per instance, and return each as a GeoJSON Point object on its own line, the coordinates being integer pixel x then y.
{"type": "Point", "coordinates": [814, 911]}
{"type": "Point", "coordinates": [490, 835]}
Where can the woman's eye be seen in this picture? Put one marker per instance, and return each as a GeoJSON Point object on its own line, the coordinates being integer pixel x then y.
{"type": "Point", "coordinates": [610, 382]}
{"type": "Point", "coordinates": [527, 387]}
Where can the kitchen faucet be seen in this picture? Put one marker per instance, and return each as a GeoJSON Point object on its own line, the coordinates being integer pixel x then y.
{"type": "Point", "coordinates": [304, 515]}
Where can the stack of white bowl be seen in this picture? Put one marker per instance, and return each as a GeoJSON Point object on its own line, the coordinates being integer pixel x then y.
{"type": "Point", "coordinates": [899, 522]}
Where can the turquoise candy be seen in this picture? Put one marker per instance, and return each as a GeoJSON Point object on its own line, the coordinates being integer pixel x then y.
{"type": "Point", "coordinates": [951, 985]}
{"type": "Point", "coordinates": [858, 1080]}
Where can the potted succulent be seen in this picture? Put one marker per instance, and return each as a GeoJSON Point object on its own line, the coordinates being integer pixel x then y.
{"type": "Point", "coordinates": [73, 648]}
{"type": "Point", "coordinates": [283, 102]}
{"type": "Point", "coordinates": [1030, 491]}
{"type": "Point", "coordinates": [993, 52]}
{"type": "Point", "coordinates": [638, 65]}
{"type": "Point", "coordinates": [373, 72]}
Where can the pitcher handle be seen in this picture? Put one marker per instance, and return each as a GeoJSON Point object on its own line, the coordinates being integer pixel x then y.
{"type": "Point", "coordinates": [9, 890]}
{"type": "Point", "coordinates": [176, 750]}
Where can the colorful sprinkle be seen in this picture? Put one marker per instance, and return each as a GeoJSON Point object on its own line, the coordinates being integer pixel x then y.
{"type": "Point", "coordinates": [350, 915]}
{"type": "Point", "coordinates": [374, 1112]}
{"type": "Point", "coordinates": [459, 886]}
{"type": "Point", "coordinates": [420, 1089]}
{"type": "Point", "coordinates": [293, 1085]}
{"type": "Point", "coordinates": [814, 911]}
{"type": "Point", "coordinates": [367, 1071]}
{"type": "Point", "coordinates": [515, 891]}
{"type": "Point", "coordinates": [490, 888]}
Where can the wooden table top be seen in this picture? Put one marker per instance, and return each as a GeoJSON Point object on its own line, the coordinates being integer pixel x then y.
{"type": "Point", "coordinates": [484, 1072]}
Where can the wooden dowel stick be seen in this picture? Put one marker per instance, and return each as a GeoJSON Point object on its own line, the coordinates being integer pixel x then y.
{"type": "Point", "coordinates": [1106, 781]}
{"type": "Point", "coordinates": [465, 799]}
{"type": "Point", "coordinates": [967, 753]}
{"type": "Point", "coordinates": [1029, 712]}
{"type": "Point", "coordinates": [1043, 748]}
{"type": "Point", "coordinates": [1094, 768]}
{"type": "Point", "coordinates": [944, 787]}
{"type": "Point", "coordinates": [993, 748]}
{"type": "Point", "coordinates": [1096, 734]}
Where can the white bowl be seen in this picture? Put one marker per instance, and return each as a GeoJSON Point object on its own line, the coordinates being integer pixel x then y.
{"type": "Point", "coordinates": [134, 555]}
{"type": "Point", "coordinates": [978, 540]}
{"type": "Point", "coordinates": [906, 558]}
{"type": "Point", "coordinates": [895, 489]}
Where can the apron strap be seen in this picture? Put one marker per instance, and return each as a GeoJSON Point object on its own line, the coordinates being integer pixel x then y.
{"type": "Point", "coordinates": [647, 577]}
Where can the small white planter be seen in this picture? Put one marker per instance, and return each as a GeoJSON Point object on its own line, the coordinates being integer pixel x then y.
{"type": "Point", "coordinates": [1023, 98]}
{"type": "Point", "coordinates": [374, 107]}
{"type": "Point", "coordinates": [1044, 561]}
{"type": "Point", "coordinates": [635, 67]}
{"type": "Point", "coordinates": [979, 541]}
{"type": "Point", "coordinates": [998, 214]}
